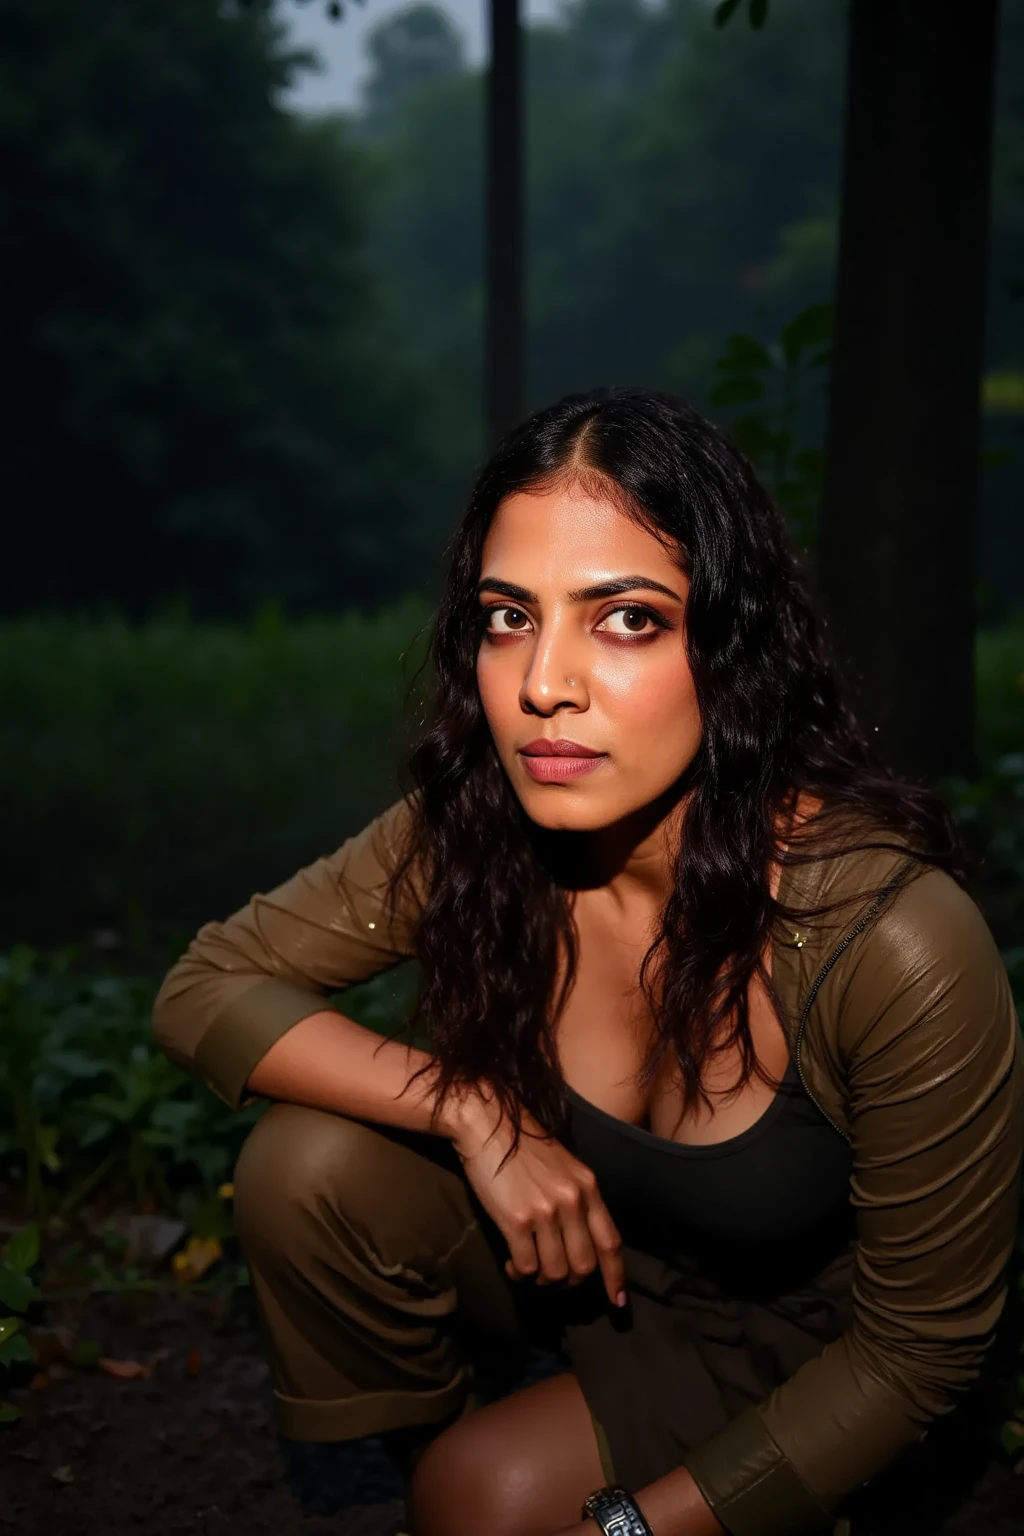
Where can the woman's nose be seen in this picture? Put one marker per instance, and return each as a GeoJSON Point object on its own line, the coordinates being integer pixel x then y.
{"type": "Point", "coordinates": [555, 675]}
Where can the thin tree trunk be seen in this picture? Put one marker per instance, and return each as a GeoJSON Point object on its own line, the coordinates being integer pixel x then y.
{"type": "Point", "coordinates": [503, 341]}
{"type": "Point", "coordinates": [898, 535]}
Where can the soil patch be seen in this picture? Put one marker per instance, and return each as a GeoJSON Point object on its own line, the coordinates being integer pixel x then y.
{"type": "Point", "coordinates": [193, 1448]}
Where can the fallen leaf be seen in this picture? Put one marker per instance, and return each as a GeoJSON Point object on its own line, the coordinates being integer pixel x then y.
{"type": "Point", "coordinates": [124, 1370]}
{"type": "Point", "coordinates": [39, 1381]}
{"type": "Point", "coordinates": [62, 1475]}
{"type": "Point", "coordinates": [198, 1255]}
{"type": "Point", "coordinates": [194, 1363]}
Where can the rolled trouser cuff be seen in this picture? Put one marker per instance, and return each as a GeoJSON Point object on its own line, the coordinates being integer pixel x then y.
{"type": "Point", "coordinates": [368, 1413]}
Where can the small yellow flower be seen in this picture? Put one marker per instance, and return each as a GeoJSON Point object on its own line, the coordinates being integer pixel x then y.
{"type": "Point", "coordinates": [226, 1191]}
{"type": "Point", "coordinates": [196, 1257]}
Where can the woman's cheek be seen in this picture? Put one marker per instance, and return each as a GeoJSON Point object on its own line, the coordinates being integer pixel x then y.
{"type": "Point", "coordinates": [493, 691]}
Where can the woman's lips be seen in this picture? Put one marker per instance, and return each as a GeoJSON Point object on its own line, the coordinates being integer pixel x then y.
{"type": "Point", "coordinates": [557, 769]}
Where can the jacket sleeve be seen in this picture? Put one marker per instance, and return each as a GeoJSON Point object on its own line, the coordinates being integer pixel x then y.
{"type": "Point", "coordinates": [243, 982]}
{"type": "Point", "coordinates": [933, 1058]}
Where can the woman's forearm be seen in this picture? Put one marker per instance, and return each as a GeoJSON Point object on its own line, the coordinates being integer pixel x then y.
{"type": "Point", "coordinates": [328, 1061]}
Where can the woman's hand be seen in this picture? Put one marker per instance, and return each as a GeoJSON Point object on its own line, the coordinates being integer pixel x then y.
{"type": "Point", "coordinates": [545, 1201]}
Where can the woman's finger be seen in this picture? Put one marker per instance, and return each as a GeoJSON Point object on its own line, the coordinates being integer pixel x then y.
{"type": "Point", "coordinates": [554, 1262]}
{"type": "Point", "coordinates": [608, 1244]}
{"type": "Point", "coordinates": [579, 1247]}
{"type": "Point", "coordinates": [523, 1252]}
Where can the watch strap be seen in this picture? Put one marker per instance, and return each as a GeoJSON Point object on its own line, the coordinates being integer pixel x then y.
{"type": "Point", "coordinates": [616, 1512]}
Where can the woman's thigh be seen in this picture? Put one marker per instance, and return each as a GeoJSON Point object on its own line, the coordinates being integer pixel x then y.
{"type": "Point", "coordinates": [522, 1466]}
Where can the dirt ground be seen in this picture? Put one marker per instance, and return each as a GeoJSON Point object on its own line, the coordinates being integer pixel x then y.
{"type": "Point", "coordinates": [192, 1447]}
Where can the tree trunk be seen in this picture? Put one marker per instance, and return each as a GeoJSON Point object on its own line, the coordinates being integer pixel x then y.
{"type": "Point", "coordinates": [503, 341]}
{"type": "Point", "coordinates": [898, 534]}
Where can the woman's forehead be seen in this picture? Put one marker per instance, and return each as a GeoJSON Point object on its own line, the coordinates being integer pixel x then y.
{"type": "Point", "coordinates": [559, 534]}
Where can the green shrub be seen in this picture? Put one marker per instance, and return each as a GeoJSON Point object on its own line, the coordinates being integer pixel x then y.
{"type": "Point", "coordinates": [88, 1101]}
{"type": "Point", "coordinates": [18, 1291]}
{"type": "Point", "coordinates": [154, 777]}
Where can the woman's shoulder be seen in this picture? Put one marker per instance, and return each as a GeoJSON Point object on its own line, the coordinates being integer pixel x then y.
{"type": "Point", "coordinates": [916, 934]}
{"type": "Point", "coordinates": [882, 891]}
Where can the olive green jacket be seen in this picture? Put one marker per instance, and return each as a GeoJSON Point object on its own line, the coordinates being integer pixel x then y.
{"type": "Point", "coordinates": [901, 1022]}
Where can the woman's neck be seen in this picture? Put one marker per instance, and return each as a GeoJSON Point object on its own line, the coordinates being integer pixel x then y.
{"type": "Point", "coordinates": [632, 862]}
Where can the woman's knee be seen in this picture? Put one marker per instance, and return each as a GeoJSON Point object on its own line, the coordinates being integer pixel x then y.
{"type": "Point", "coordinates": [292, 1159]}
{"type": "Point", "coordinates": [519, 1467]}
{"type": "Point", "coordinates": [301, 1169]}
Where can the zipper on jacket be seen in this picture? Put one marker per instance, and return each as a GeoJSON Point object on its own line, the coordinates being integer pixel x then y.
{"type": "Point", "coordinates": [854, 932]}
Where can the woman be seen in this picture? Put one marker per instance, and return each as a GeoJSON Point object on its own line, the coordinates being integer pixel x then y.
{"type": "Point", "coordinates": [722, 1054]}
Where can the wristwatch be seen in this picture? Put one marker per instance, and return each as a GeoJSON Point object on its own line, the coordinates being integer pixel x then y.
{"type": "Point", "coordinates": [616, 1512]}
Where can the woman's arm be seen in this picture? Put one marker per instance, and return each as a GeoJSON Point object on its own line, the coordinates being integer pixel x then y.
{"type": "Point", "coordinates": [244, 984]}
{"type": "Point", "coordinates": [921, 1015]}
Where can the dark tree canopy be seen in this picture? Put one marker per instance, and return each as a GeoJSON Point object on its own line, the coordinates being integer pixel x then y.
{"type": "Point", "coordinates": [204, 395]}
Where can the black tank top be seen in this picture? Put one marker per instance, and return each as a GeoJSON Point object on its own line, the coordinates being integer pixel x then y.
{"type": "Point", "coordinates": [779, 1184]}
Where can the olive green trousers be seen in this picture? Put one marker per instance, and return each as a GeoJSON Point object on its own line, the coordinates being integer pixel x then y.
{"type": "Point", "coordinates": [378, 1276]}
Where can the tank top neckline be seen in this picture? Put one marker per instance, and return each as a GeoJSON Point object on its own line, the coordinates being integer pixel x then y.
{"type": "Point", "coordinates": [731, 1144]}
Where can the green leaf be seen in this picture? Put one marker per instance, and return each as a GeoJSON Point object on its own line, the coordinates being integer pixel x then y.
{"type": "Point", "coordinates": [753, 436]}
{"type": "Point", "coordinates": [725, 10]}
{"type": "Point", "coordinates": [737, 391]}
{"type": "Point", "coordinates": [9, 1414]}
{"type": "Point", "coordinates": [48, 1138]}
{"type": "Point", "coordinates": [812, 327]}
{"type": "Point", "coordinates": [1012, 1436]}
{"type": "Point", "coordinates": [8, 1325]}
{"type": "Point", "coordinates": [743, 353]}
{"type": "Point", "coordinates": [22, 1250]}
{"type": "Point", "coordinates": [758, 14]}
{"type": "Point", "coordinates": [16, 1289]}
{"type": "Point", "coordinates": [16, 1347]}
{"type": "Point", "coordinates": [75, 1064]}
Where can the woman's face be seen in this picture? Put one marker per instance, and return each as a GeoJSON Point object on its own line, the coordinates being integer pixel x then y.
{"type": "Point", "coordinates": [565, 659]}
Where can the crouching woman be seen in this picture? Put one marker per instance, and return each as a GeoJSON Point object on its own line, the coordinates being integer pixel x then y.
{"type": "Point", "coordinates": [725, 1089]}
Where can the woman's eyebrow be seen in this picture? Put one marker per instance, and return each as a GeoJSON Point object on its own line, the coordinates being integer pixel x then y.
{"type": "Point", "coordinates": [611, 588]}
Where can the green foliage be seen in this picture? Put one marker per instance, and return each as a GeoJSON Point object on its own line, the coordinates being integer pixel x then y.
{"type": "Point", "coordinates": [211, 400]}
{"type": "Point", "coordinates": [247, 343]}
{"type": "Point", "coordinates": [89, 1103]}
{"type": "Point", "coordinates": [757, 12]}
{"type": "Point", "coordinates": [17, 1293]}
{"type": "Point", "coordinates": [406, 51]}
{"type": "Point", "coordinates": [781, 380]}
{"type": "Point", "coordinates": [172, 769]}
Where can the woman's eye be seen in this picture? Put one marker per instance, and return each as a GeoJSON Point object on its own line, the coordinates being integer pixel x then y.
{"type": "Point", "coordinates": [515, 621]}
{"type": "Point", "coordinates": [634, 620]}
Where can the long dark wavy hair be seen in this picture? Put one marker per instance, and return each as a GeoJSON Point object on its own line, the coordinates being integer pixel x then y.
{"type": "Point", "coordinates": [493, 892]}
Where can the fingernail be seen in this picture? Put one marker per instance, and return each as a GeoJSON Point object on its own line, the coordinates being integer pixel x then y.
{"type": "Point", "coordinates": [620, 1300]}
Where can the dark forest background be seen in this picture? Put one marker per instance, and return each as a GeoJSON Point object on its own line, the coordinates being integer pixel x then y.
{"type": "Point", "coordinates": [242, 346]}
{"type": "Point", "coordinates": [242, 392]}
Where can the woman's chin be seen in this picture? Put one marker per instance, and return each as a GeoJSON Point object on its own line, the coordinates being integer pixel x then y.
{"type": "Point", "coordinates": [566, 808]}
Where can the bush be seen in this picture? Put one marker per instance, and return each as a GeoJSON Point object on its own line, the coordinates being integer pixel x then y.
{"type": "Point", "coordinates": [156, 776]}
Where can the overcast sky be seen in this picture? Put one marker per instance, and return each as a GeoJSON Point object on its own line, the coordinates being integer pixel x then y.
{"type": "Point", "coordinates": [340, 43]}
